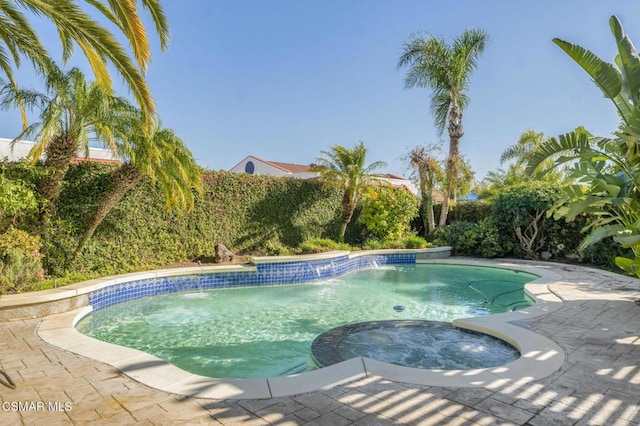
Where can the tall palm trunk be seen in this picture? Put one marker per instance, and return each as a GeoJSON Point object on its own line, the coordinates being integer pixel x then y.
{"type": "Point", "coordinates": [428, 219]}
{"type": "Point", "coordinates": [59, 153]}
{"type": "Point", "coordinates": [428, 169]}
{"type": "Point", "coordinates": [456, 131]}
{"type": "Point", "coordinates": [124, 179]}
{"type": "Point", "coordinates": [348, 207]}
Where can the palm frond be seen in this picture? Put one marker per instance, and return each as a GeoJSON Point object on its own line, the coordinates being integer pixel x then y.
{"type": "Point", "coordinates": [604, 75]}
{"type": "Point", "coordinates": [440, 106]}
{"type": "Point", "coordinates": [627, 60]}
{"type": "Point", "coordinates": [566, 148]}
{"type": "Point", "coordinates": [160, 20]}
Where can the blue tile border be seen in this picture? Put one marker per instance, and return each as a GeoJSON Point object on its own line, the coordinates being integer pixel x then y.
{"type": "Point", "coordinates": [271, 273]}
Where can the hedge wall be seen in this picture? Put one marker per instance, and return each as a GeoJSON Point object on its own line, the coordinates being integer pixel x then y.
{"type": "Point", "coordinates": [246, 213]}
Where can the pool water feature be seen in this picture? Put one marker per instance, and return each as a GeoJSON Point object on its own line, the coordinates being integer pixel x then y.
{"type": "Point", "coordinates": [256, 332]}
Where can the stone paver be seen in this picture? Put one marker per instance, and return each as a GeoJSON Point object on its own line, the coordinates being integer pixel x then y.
{"type": "Point", "coordinates": [598, 327]}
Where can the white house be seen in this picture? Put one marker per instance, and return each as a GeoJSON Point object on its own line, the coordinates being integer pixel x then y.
{"type": "Point", "coordinates": [20, 149]}
{"type": "Point", "coordinates": [256, 166]}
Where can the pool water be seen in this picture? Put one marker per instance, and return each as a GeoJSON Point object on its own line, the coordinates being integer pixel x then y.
{"type": "Point", "coordinates": [257, 332]}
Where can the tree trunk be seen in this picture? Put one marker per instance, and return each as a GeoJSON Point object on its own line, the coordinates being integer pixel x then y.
{"type": "Point", "coordinates": [348, 207]}
{"type": "Point", "coordinates": [426, 191]}
{"type": "Point", "coordinates": [124, 179]}
{"type": "Point", "coordinates": [59, 153]}
{"type": "Point", "coordinates": [456, 131]}
{"type": "Point", "coordinates": [444, 210]}
{"type": "Point", "coordinates": [428, 207]}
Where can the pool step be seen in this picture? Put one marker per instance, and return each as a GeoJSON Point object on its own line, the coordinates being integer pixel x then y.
{"type": "Point", "coordinates": [296, 369]}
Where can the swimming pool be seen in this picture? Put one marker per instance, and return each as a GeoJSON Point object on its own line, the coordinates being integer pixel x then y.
{"type": "Point", "coordinates": [251, 332]}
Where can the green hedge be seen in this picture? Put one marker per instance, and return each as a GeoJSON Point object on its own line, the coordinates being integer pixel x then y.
{"type": "Point", "coordinates": [246, 213]}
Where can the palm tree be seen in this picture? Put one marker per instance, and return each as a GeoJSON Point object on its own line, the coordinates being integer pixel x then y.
{"type": "Point", "coordinates": [344, 168]}
{"type": "Point", "coordinates": [523, 151]}
{"type": "Point", "coordinates": [445, 70]}
{"type": "Point", "coordinates": [158, 154]}
{"type": "Point", "coordinates": [429, 173]}
{"type": "Point", "coordinates": [75, 26]}
{"type": "Point", "coordinates": [72, 112]}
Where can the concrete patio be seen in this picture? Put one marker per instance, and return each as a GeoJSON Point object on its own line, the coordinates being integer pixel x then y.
{"type": "Point", "coordinates": [598, 327]}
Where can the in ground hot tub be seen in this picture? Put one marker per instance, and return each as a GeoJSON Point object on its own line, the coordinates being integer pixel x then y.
{"type": "Point", "coordinates": [418, 344]}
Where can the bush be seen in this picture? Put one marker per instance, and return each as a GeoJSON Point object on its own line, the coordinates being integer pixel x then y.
{"type": "Point", "coordinates": [519, 212]}
{"type": "Point", "coordinates": [450, 234]}
{"type": "Point", "coordinates": [20, 262]}
{"type": "Point", "coordinates": [481, 239]}
{"type": "Point", "coordinates": [410, 242]}
{"type": "Point", "coordinates": [15, 239]}
{"type": "Point", "coordinates": [16, 201]}
{"type": "Point", "coordinates": [275, 248]}
{"type": "Point", "coordinates": [415, 242]}
{"type": "Point", "coordinates": [387, 212]}
{"type": "Point", "coordinates": [49, 283]}
{"type": "Point", "coordinates": [320, 245]}
{"type": "Point", "coordinates": [469, 211]}
{"type": "Point", "coordinates": [484, 240]}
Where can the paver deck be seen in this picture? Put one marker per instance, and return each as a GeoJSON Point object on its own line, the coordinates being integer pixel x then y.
{"type": "Point", "coordinates": [598, 327]}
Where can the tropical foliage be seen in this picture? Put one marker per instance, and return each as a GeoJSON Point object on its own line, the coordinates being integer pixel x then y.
{"type": "Point", "coordinates": [606, 171]}
{"type": "Point", "coordinates": [344, 168]}
{"type": "Point", "coordinates": [71, 112]}
{"type": "Point", "coordinates": [75, 26]}
{"type": "Point", "coordinates": [520, 154]}
{"type": "Point", "coordinates": [387, 212]}
{"type": "Point", "coordinates": [446, 70]}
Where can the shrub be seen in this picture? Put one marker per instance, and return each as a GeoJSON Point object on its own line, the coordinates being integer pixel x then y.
{"type": "Point", "coordinates": [469, 211]}
{"type": "Point", "coordinates": [275, 248]}
{"type": "Point", "coordinates": [474, 239]}
{"type": "Point", "coordinates": [483, 239]}
{"type": "Point", "coordinates": [16, 201]}
{"type": "Point", "coordinates": [320, 245]}
{"type": "Point", "coordinates": [519, 211]}
{"type": "Point", "coordinates": [373, 245]}
{"type": "Point", "coordinates": [387, 212]}
{"type": "Point", "coordinates": [415, 242]}
{"type": "Point", "coordinates": [49, 283]}
{"type": "Point", "coordinates": [20, 262]}
{"type": "Point", "coordinates": [410, 242]}
{"type": "Point", "coordinates": [450, 234]}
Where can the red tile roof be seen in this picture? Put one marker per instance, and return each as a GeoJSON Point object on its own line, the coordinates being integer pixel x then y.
{"type": "Point", "coordinates": [289, 167]}
{"type": "Point", "coordinates": [78, 160]}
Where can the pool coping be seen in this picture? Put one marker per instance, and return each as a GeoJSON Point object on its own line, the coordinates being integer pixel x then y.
{"type": "Point", "coordinates": [540, 356]}
{"type": "Point", "coordinates": [9, 301]}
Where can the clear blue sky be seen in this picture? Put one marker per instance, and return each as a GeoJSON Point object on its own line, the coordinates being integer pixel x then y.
{"type": "Point", "coordinates": [284, 80]}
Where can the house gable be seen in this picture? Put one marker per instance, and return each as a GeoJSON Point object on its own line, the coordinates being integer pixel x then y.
{"type": "Point", "coordinates": [256, 166]}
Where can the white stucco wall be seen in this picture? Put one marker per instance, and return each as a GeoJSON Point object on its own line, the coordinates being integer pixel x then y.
{"type": "Point", "coordinates": [259, 168]}
{"type": "Point", "coordinates": [21, 149]}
